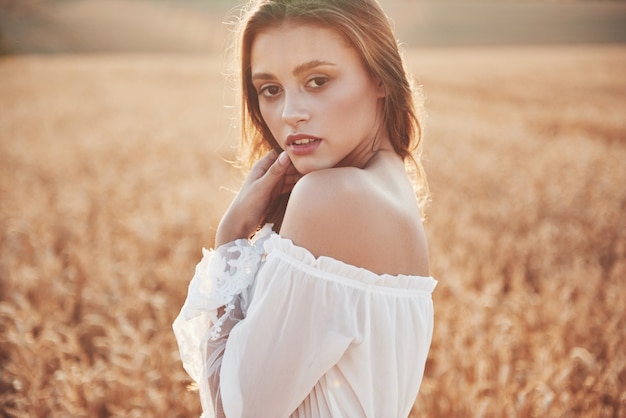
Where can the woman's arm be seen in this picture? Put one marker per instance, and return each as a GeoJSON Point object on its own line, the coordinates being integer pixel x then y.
{"type": "Point", "coordinates": [219, 292]}
{"type": "Point", "coordinates": [218, 298]}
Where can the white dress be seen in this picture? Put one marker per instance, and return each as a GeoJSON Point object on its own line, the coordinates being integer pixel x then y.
{"type": "Point", "coordinates": [302, 336]}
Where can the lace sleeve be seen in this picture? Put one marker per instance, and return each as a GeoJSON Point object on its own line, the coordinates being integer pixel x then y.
{"type": "Point", "coordinates": [218, 297]}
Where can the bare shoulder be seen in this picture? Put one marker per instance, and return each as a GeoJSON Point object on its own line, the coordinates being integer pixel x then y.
{"type": "Point", "coordinates": [341, 213]}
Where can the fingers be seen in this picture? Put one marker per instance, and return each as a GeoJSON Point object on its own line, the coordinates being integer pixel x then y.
{"type": "Point", "coordinates": [263, 165]}
{"type": "Point", "coordinates": [274, 173]}
{"type": "Point", "coordinates": [290, 178]}
{"type": "Point", "coordinates": [281, 164]}
{"type": "Point", "coordinates": [271, 163]}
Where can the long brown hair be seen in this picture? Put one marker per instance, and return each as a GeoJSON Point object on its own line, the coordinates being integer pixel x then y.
{"type": "Point", "coordinates": [366, 27]}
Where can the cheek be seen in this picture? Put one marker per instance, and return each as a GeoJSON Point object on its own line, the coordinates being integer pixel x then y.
{"type": "Point", "coordinates": [354, 107]}
{"type": "Point", "coordinates": [269, 115]}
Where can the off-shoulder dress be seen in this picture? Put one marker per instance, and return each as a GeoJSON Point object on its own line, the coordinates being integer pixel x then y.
{"type": "Point", "coordinates": [269, 330]}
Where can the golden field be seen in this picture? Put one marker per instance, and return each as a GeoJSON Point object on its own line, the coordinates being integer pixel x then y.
{"type": "Point", "coordinates": [113, 176]}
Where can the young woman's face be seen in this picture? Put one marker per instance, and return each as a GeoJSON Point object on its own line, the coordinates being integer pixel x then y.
{"type": "Point", "coordinates": [316, 97]}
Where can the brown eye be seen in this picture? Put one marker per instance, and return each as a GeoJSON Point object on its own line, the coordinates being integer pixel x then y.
{"type": "Point", "coordinates": [317, 82]}
{"type": "Point", "coordinates": [269, 90]}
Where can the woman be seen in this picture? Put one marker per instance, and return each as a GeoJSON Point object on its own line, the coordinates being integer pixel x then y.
{"type": "Point", "coordinates": [330, 313]}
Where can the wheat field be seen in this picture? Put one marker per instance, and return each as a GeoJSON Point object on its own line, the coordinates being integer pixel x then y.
{"type": "Point", "coordinates": [114, 172]}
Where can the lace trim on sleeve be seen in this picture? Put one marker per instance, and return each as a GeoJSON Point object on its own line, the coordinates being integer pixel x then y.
{"type": "Point", "coordinates": [221, 275]}
{"type": "Point", "coordinates": [224, 278]}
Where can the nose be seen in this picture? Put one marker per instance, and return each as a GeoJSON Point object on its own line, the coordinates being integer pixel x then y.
{"type": "Point", "coordinates": [294, 109]}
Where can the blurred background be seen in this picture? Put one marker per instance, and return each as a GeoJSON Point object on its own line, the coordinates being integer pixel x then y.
{"type": "Point", "coordinates": [53, 26]}
{"type": "Point", "coordinates": [117, 133]}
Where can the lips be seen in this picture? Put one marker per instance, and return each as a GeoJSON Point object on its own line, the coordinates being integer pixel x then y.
{"type": "Point", "coordinates": [304, 141]}
{"type": "Point", "coordinates": [302, 144]}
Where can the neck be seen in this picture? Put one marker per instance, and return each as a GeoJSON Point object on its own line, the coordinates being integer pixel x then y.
{"type": "Point", "coordinates": [361, 156]}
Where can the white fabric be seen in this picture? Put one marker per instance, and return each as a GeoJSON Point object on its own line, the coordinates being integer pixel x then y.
{"type": "Point", "coordinates": [302, 336]}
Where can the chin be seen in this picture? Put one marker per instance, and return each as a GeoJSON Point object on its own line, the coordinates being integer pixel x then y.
{"type": "Point", "coordinates": [306, 167]}
{"type": "Point", "coordinates": [305, 170]}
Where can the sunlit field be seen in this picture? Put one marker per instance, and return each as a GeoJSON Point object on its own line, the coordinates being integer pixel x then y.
{"type": "Point", "coordinates": [114, 173]}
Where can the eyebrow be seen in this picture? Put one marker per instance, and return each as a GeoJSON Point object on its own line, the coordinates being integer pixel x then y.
{"type": "Point", "coordinates": [296, 71]}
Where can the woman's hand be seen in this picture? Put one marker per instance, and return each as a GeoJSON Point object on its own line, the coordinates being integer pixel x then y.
{"type": "Point", "coordinates": [269, 178]}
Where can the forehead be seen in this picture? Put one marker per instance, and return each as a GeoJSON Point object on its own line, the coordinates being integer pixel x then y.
{"type": "Point", "coordinates": [291, 44]}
